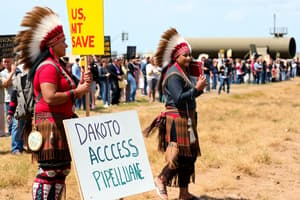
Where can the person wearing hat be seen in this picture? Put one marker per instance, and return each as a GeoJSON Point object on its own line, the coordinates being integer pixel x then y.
{"type": "Point", "coordinates": [41, 45]}
{"type": "Point", "coordinates": [178, 136]}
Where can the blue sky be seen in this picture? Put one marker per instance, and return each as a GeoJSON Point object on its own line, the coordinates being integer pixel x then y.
{"type": "Point", "coordinates": [145, 20]}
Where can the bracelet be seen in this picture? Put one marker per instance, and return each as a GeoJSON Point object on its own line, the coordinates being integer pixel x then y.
{"type": "Point", "coordinates": [72, 93]}
{"type": "Point", "coordinates": [69, 94]}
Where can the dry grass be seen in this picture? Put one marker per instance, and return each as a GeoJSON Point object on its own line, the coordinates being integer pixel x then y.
{"type": "Point", "coordinates": [249, 140]}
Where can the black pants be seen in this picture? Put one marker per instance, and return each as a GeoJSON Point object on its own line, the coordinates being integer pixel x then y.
{"type": "Point", "coordinates": [115, 92]}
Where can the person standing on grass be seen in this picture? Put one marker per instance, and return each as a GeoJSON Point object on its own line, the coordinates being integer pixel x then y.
{"type": "Point", "coordinates": [152, 73]}
{"type": "Point", "coordinates": [114, 78]}
{"type": "Point", "coordinates": [2, 121]}
{"type": "Point", "coordinates": [92, 62]}
{"type": "Point", "coordinates": [131, 76]}
{"type": "Point", "coordinates": [224, 75]}
{"type": "Point", "coordinates": [8, 76]}
{"type": "Point", "coordinates": [178, 136]}
{"type": "Point", "coordinates": [14, 112]}
{"type": "Point", "coordinates": [144, 63]}
{"type": "Point", "coordinates": [104, 83]}
{"type": "Point", "coordinates": [41, 43]}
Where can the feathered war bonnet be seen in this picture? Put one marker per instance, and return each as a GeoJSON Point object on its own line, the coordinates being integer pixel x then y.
{"type": "Point", "coordinates": [170, 46]}
{"type": "Point", "coordinates": [42, 29]}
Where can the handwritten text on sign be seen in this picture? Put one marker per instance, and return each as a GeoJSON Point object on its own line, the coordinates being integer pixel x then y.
{"type": "Point", "coordinates": [109, 155]}
{"type": "Point", "coordinates": [86, 26]}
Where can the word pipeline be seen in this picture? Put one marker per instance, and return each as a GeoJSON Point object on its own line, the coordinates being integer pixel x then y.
{"type": "Point", "coordinates": [118, 176]}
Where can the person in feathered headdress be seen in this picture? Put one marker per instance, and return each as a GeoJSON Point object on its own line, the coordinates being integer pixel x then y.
{"type": "Point", "coordinates": [40, 45]}
{"type": "Point", "coordinates": [177, 124]}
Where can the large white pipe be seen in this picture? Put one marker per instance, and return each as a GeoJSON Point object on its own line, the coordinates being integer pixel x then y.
{"type": "Point", "coordinates": [285, 46]}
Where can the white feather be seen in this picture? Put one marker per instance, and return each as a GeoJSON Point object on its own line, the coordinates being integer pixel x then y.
{"type": "Point", "coordinates": [173, 42]}
{"type": "Point", "coordinates": [47, 24]}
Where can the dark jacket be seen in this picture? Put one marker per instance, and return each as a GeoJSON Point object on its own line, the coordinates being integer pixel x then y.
{"type": "Point", "coordinates": [114, 71]}
{"type": "Point", "coordinates": [178, 93]}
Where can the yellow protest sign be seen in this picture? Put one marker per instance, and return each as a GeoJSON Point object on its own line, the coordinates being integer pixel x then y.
{"type": "Point", "coordinates": [86, 26]}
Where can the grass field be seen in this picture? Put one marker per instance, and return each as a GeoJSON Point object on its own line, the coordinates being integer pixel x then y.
{"type": "Point", "coordinates": [250, 143]}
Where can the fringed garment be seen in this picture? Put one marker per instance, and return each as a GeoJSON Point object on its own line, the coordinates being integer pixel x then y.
{"type": "Point", "coordinates": [168, 119]}
{"type": "Point", "coordinates": [172, 122]}
{"type": "Point", "coordinates": [55, 145]}
{"type": "Point", "coordinates": [173, 127]}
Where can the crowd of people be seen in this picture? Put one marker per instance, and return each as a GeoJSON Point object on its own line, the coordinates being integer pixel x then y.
{"type": "Point", "coordinates": [118, 80]}
{"type": "Point", "coordinates": [257, 70]}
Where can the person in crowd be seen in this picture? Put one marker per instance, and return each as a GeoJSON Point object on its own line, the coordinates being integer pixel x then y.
{"type": "Point", "coordinates": [215, 74]}
{"type": "Point", "coordinates": [274, 73]}
{"type": "Point", "coordinates": [104, 83]}
{"type": "Point", "coordinates": [179, 130]}
{"type": "Point", "coordinates": [126, 90]}
{"type": "Point", "coordinates": [17, 145]}
{"type": "Point", "coordinates": [2, 103]}
{"type": "Point", "coordinates": [114, 78]}
{"type": "Point", "coordinates": [269, 63]}
{"type": "Point", "coordinates": [123, 81]}
{"type": "Point", "coordinates": [282, 69]}
{"type": "Point", "coordinates": [253, 72]}
{"type": "Point", "coordinates": [258, 68]}
{"type": "Point", "coordinates": [98, 61]}
{"type": "Point", "coordinates": [294, 68]}
{"type": "Point", "coordinates": [207, 72]}
{"type": "Point", "coordinates": [94, 69]}
{"type": "Point", "coordinates": [152, 73]}
{"type": "Point", "coordinates": [76, 72]}
{"type": "Point", "coordinates": [298, 66]}
{"type": "Point", "coordinates": [131, 73]}
{"type": "Point", "coordinates": [247, 71]}
{"type": "Point", "coordinates": [138, 74]}
{"type": "Point", "coordinates": [225, 76]}
{"type": "Point", "coordinates": [8, 75]}
{"type": "Point", "coordinates": [233, 74]}
{"type": "Point", "coordinates": [41, 43]}
{"type": "Point", "coordinates": [239, 71]}
{"type": "Point", "coordinates": [264, 71]}
{"type": "Point", "coordinates": [144, 63]}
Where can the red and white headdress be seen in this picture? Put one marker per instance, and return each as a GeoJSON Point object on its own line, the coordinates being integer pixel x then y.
{"type": "Point", "coordinates": [170, 46]}
{"type": "Point", "coordinates": [43, 29]}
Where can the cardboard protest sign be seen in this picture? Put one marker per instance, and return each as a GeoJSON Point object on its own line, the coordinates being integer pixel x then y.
{"type": "Point", "coordinates": [86, 26]}
{"type": "Point", "coordinates": [109, 155]}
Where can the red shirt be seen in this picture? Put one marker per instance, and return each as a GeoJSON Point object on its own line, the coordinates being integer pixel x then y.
{"type": "Point", "coordinates": [48, 74]}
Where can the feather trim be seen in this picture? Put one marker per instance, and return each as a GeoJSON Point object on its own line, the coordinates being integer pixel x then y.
{"type": "Point", "coordinates": [37, 24]}
{"type": "Point", "coordinates": [169, 40]}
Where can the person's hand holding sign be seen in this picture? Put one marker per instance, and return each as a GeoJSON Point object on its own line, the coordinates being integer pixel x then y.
{"type": "Point", "coordinates": [85, 83]}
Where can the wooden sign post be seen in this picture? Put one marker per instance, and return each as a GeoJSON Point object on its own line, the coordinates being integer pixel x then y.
{"type": "Point", "coordinates": [87, 30]}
